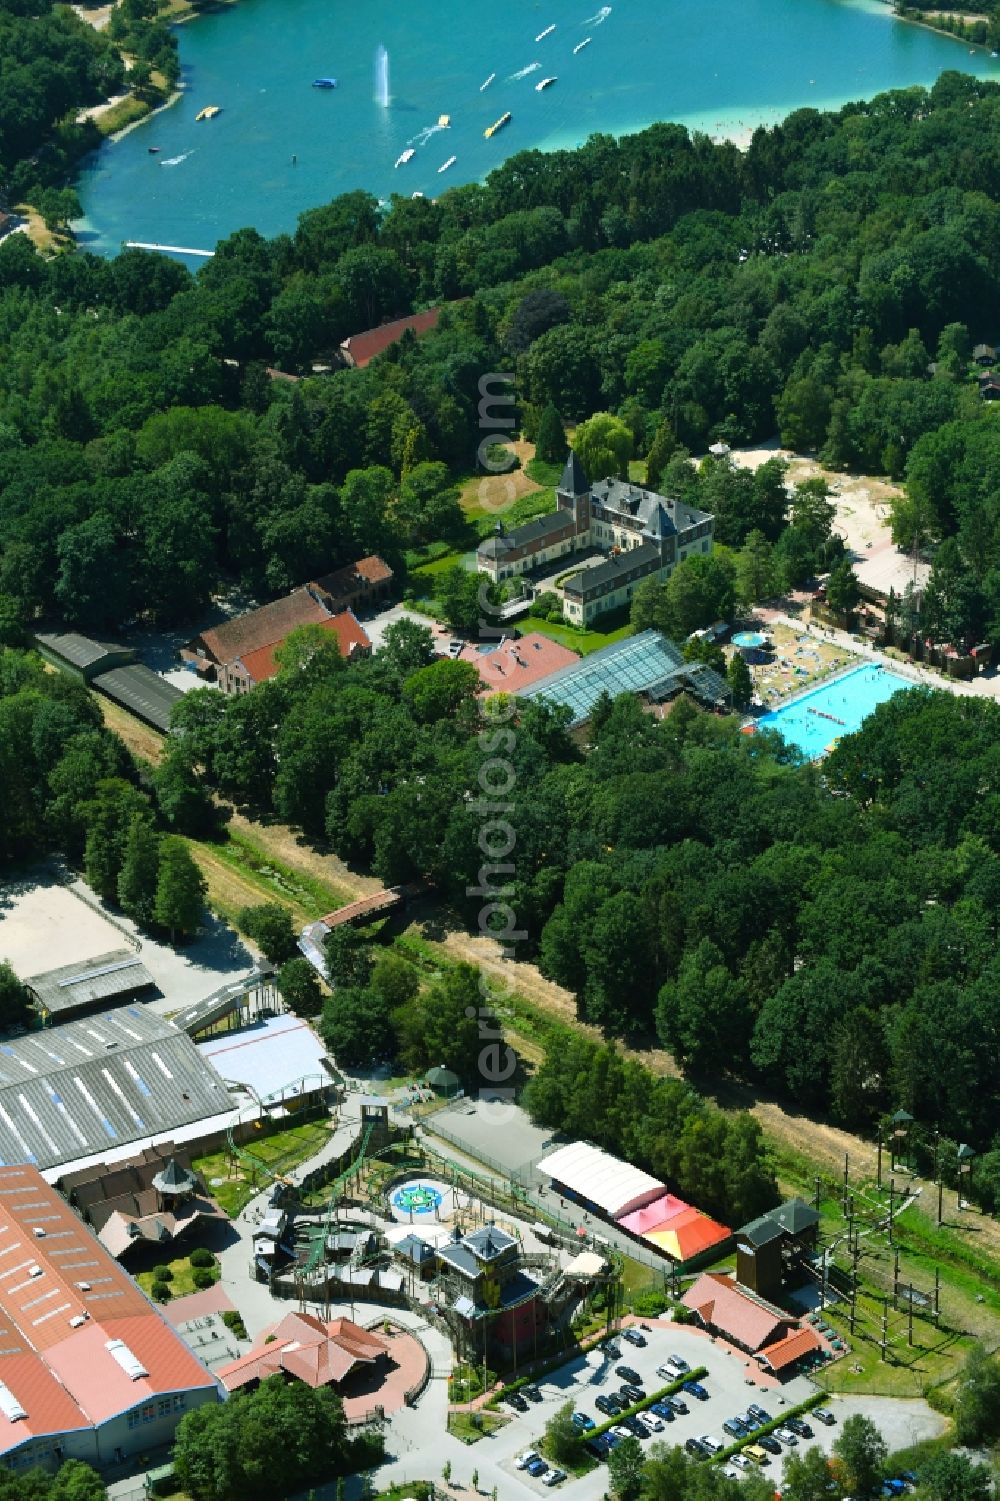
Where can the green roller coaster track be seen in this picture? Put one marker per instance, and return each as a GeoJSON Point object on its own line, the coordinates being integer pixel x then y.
{"type": "Point", "coordinates": [353, 1167]}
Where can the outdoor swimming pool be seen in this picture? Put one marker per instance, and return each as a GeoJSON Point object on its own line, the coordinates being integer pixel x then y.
{"type": "Point", "coordinates": [819, 718]}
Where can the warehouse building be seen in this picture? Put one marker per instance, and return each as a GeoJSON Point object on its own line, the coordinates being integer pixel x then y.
{"type": "Point", "coordinates": [89, 1369]}
{"type": "Point", "coordinates": [94, 985]}
{"type": "Point", "coordinates": [111, 668]}
{"type": "Point", "coordinates": [88, 1086]}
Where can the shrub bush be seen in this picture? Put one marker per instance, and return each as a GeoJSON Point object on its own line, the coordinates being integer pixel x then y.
{"type": "Point", "coordinates": [203, 1278]}
{"type": "Point", "coordinates": [234, 1322]}
{"type": "Point", "coordinates": [162, 1274]}
{"type": "Point", "coordinates": [161, 1292]}
{"type": "Point", "coordinates": [201, 1257]}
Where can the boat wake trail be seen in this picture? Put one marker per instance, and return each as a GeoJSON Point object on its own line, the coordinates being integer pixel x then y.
{"type": "Point", "coordinates": [423, 136]}
{"type": "Point", "coordinates": [175, 161]}
{"type": "Point", "coordinates": [599, 19]}
{"type": "Point", "coordinates": [523, 72]}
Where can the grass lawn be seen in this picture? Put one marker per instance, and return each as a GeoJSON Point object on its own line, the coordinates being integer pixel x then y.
{"type": "Point", "coordinates": [183, 1271]}
{"type": "Point", "coordinates": [280, 1152]}
{"type": "Point", "coordinates": [441, 564]}
{"type": "Point", "coordinates": [572, 636]}
{"type": "Point", "coordinates": [241, 873]}
{"type": "Point", "coordinates": [470, 1427]}
{"type": "Point", "coordinates": [544, 474]}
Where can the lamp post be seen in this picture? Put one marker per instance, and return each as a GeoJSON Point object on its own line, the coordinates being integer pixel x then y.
{"type": "Point", "coordinates": [939, 1173]}
{"type": "Point", "coordinates": [878, 1170]}
{"type": "Point", "coordinates": [966, 1155]}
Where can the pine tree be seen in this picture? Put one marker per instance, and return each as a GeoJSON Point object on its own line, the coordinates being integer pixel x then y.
{"type": "Point", "coordinates": [180, 890]}
{"type": "Point", "coordinates": [661, 451]}
{"type": "Point", "coordinates": [138, 877]}
{"type": "Point", "coordinates": [550, 444]}
{"type": "Point", "coordinates": [740, 681]}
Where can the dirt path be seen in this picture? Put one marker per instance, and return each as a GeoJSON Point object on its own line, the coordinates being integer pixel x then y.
{"type": "Point", "coordinates": [292, 850]}
{"type": "Point", "coordinates": [491, 494]}
{"type": "Point", "coordinates": [146, 744]}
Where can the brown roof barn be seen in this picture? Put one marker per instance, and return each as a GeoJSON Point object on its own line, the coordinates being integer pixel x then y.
{"type": "Point", "coordinates": [360, 349]}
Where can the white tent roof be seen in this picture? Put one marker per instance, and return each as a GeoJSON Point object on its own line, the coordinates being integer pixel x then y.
{"type": "Point", "coordinates": [616, 1187]}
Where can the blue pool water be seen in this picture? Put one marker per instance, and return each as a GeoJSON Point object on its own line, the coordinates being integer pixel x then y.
{"type": "Point", "coordinates": [834, 709]}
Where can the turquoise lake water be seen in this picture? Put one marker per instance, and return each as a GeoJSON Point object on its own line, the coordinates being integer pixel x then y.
{"type": "Point", "coordinates": [718, 66]}
{"type": "Point", "coordinates": [839, 708]}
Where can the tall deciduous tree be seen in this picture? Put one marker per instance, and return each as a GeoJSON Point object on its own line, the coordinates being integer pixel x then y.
{"type": "Point", "coordinates": [139, 874]}
{"type": "Point", "coordinates": [180, 890]}
{"type": "Point", "coordinates": [603, 444]}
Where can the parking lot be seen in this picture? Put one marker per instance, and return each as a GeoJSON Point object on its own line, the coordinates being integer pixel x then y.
{"type": "Point", "coordinates": [731, 1390]}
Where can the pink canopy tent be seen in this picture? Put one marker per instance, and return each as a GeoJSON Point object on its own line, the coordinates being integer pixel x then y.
{"type": "Point", "coordinates": [653, 1216]}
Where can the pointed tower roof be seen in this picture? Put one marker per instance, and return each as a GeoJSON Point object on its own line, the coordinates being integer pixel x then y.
{"type": "Point", "coordinates": [659, 523]}
{"type": "Point", "coordinates": [574, 481]}
{"type": "Point", "coordinates": [173, 1178]}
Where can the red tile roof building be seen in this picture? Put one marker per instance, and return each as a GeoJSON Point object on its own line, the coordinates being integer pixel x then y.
{"type": "Point", "coordinates": [303, 1348]}
{"type": "Point", "coordinates": [260, 665]}
{"type": "Point", "coordinates": [88, 1367]}
{"type": "Point", "coordinates": [240, 652]}
{"type": "Point", "coordinates": [512, 665]}
{"type": "Point", "coordinates": [360, 349]}
{"type": "Point", "coordinates": [724, 1307]}
{"type": "Point", "coordinates": [791, 1349]}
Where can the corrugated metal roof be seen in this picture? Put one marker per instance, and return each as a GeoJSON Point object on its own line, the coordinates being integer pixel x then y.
{"type": "Point", "coordinates": [141, 691]}
{"type": "Point", "coordinates": [79, 1088]}
{"type": "Point", "coordinates": [80, 651]}
{"type": "Point", "coordinates": [120, 972]}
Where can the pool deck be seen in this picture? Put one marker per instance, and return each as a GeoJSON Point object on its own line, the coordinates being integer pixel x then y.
{"type": "Point", "coordinates": [985, 686]}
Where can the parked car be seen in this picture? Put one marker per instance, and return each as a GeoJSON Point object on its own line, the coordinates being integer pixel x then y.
{"type": "Point", "coordinates": [583, 1422]}
{"type": "Point", "coordinates": [662, 1410]}
{"type": "Point", "coordinates": [757, 1454]}
{"type": "Point", "coordinates": [634, 1337]}
{"type": "Point", "coordinates": [536, 1468]}
{"type": "Point", "coordinates": [711, 1444]}
{"type": "Point", "coordinates": [822, 1415]}
{"type": "Point", "coordinates": [735, 1427]}
{"type": "Point", "coordinates": [613, 1348]}
{"type": "Point", "coordinates": [622, 1431]}
{"type": "Point", "coordinates": [635, 1393]}
{"type": "Point", "coordinates": [766, 1441]}
{"type": "Point", "coordinates": [515, 1400]}
{"type": "Point", "coordinates": [731, 1473]}
{"type": "Point", "coordinates": [608, 1405]}
{"type": "Point", "coordinates": [894, 1487]}
{"type": "Point", "coordinates": [554, 1477]}
{"type": "Point", "coordinates": [651, 1420]}
{"type": "Point", "coordinates": [759, 1412]}
{"type": "Point", "coordinates": [627, 1373]}
{"type": "Point", "coordinates": [696, 1447]}
{"type": "Point", "coordinates": [524, 1460]}
{"type": "Point", "coordinates": [740, 1461]}
{"type": "Point", "coordinates": [799, 1427]}
{"type": "Point", "coordinates": [677, 1403]}
{"type": "Point", "coordinates": [598, 1447]}
{"type": "Point", "coordinates": [786, 1436]}
{"type": "Point", "coordinates": [673, 1367]}
{"type": "Point", "coordinates": [636, 1428]}
{"type": "Point", "coordinates": [532, 1391]}
{"type": "Point", "coordinates": [697, 1390]}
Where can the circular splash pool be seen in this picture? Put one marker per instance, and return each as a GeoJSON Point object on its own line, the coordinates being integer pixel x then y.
{"type": "Point", "coordinates": [419, 1196]}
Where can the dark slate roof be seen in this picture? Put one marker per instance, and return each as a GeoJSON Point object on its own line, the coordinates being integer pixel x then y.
{"type": "Point", "coordinates": [489, 1242]}
{"type": "Point", "coordinates": [460, 1257]}
{"type": "Point", "coordinates": [175, 1177]}
{"type": "Point", "coordinates": [115, 974]}
{"type": "Point", "coordinates": [80, 651]}
{"type": "Point", "coordinates": [617, 570]}
{"type": "Point", "coordinates": [795, 1216]}
{"type": "Point", "coordinates": [521, 536]}
{"type": "Point", "coordinates": [760, 1232]}
{"type": "Point", "coordinates": [141, 691]}
{"type": "Point", "coordinates": [574, 481]}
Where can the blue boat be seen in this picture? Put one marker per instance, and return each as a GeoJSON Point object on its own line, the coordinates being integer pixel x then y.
{"type": "Point", "coordinates": [324, 83]}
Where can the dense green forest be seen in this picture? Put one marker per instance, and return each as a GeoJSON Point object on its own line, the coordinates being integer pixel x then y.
{"type": "Point", "coordinates": [694, 291]}
{"type": "Point", "coordinates": [52, 64]}
{"type": "Point", "coordinates": [827, 933]}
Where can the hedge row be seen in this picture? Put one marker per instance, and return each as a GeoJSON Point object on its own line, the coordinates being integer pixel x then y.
{"type": "Point", "coordinates": [816, 1400]}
